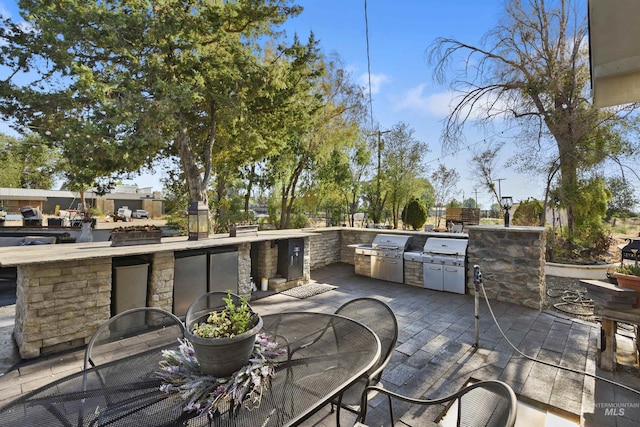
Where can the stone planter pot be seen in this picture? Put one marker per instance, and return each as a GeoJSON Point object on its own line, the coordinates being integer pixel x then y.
{"type": "Point", "coordinates": [219, 357]}
{"type": "Point", "coordinates": [593, 272]}
{"type": "Point", "coordinates": [243, 230]}
{"type": "Point", "coordinates": [630, 282]}
{"type": "Point", "coordinates": [128, 238]}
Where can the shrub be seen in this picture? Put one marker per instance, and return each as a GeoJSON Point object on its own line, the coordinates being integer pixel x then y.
{"type": "Point", "coordinates": [415, 214]}
{"type": "Point", "coordinates": [528, 212]}
{"type": "Point", "coordinates": [588, 248]}
{"type": "Point", "coordinates": [300, 220]}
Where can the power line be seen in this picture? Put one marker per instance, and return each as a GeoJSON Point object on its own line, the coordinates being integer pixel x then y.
{"type": "Point", "coordinates": [366, 26]}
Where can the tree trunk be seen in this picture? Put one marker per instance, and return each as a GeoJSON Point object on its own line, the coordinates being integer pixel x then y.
{"type": "Point", "coordinates": [190, 168]}
{"type": "Point", "coordinates": [247, 197]}
{"type": "Point", "coordinates": [221, 187]}
{"type": "Point", "coordinates": [289, 195]}
{"type": "Point", "coordinates": [569, 182]}
{"type": "Point", "coordinates": [197, 181]}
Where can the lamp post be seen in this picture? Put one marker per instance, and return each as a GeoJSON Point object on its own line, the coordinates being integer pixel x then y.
{"type": "Point", "coordinates": [507, 203]}
{"type": "Point", "coordinates": [198, 221]}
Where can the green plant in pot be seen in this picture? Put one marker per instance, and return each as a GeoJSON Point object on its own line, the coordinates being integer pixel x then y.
{"type": "Point", "coordinates": [222, 328]}
{"type": "Point", "coordinates": [628, 276]}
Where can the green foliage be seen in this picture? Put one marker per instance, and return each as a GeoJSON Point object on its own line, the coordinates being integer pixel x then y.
{"type": "Point", "coordinates": [178, 222]}
{"type": "Point", "coordinates": [531, 64]}
{"type": "Point", "coordinates": [228, 211]}
{"type": "Point", "coordinates": [469, 203]}
{"type": "Point", "coordinates": [590, 239]}
{"type": "Point", "coordinates": [628, 268]}
{"type": "Point", "coordinates": [443, 181]}
{"type": "Point", "coordinates": [95, 212]}
{"type": "Point", "coordinates": [27, 162]}
{"type": "Point", "coordinates": [415, 214]}
{"type": "Point", "coordinates": [211, 83]}
{"type": "Point", "coordinates": [403, 154]}
{"type": "Point", "coordinates": [587, 250]}
{"type": "Point", "coordinates": [623, 198]}
{"type": "Point", "coordinates": [528, 212]}
{"type": "Point", "coordinates": [272, 211]}
{"type": "Point", "coordinates": [231, 321]}
{"type": "Point", "coordinates": [590, 209]}
{"type": "Point", "coordinates": [300, 220]}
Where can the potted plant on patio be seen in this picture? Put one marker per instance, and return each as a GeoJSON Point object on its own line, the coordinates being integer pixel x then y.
{"type": "Point", "coordinates": [135, 235]}
{"type": "Point", "coordinates": [628, 276]}
{"type": "Point", "coordinates": [222, 328]}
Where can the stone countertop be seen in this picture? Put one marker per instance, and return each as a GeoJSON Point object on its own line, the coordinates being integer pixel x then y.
{"type": "Point", "coordinates": [37, 254]}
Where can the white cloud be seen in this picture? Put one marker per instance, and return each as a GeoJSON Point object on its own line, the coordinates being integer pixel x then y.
{"type": "Point", "coordinates": [377, 80]}
{"type": "Point", "coordinates": [434, 105]}
{"type": "Point", "coordinates": [440, 104]}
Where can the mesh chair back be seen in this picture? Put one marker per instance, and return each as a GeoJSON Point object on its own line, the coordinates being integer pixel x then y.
{"type": "Point", "coordinates": [132, 332]}
{"type": "Point", "coordinates": [488, 404]}
{"type": "Point", "coordinates": [380, 318]}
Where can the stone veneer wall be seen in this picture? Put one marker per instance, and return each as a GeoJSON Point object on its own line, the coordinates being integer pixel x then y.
{"type": "Point", "coordinates": [354, 236]}
{"type": "Point", "coordinates": [267, 261]}
{"type": "Point", "coordinates": [160, 286]}
{"type": "Point", "coordinates": [244, 270]}
{"type": "Point", "coordinates": [326, 248]}
{"type": "Point", "coordinates": [511, 260]}
{"type": "Point", "coordinates": [73, 298]}
{"type": "Point", "coordinates": [362, 265]}
{"type": "Point", "coordinates": [69, 298]}
{"type": "Point", "coordinates": [414, 273]}
{"type": "Point", "coordinates": [67, 301]}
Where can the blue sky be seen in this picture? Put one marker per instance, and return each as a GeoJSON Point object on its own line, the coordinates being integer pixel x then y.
{"type": "Point", "coordinates": [402, 85]}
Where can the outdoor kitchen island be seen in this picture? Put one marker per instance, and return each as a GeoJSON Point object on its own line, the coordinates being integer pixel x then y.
{"type": "Point", "coordinates": [65, 291]}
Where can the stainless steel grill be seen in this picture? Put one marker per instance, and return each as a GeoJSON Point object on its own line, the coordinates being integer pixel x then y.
{"type": "Point", "coordinates": [444, 262]}
{"type": "Point", "coordinates": [386, 252]}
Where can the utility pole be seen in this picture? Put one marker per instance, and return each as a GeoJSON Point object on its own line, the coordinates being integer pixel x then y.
{"type": "Point", "coordinates": [475, 190]}
{"type": "Point", "coordinates": [499, 188]}
{"type": "Point", "coordinates": [379, 133]}
{"type": "Point", "coordinates": [380, 144]}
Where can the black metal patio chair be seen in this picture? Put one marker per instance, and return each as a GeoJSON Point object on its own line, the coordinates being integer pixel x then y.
{"type": "Point", "coordinates": [130, 332]}
{"type": "Point", "coordinates": [380, 318]}
{"type": "Point", "coordinates": [484, 403]}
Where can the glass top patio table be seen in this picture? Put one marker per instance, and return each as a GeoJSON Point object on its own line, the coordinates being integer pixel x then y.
{"type": "Point", "coordinates": [326, 353]}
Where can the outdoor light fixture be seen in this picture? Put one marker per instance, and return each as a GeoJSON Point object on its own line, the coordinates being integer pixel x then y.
{"type": "Point", "coordinates": [507, 203]}
{"type": "Point", "coordinates": [198, 221]}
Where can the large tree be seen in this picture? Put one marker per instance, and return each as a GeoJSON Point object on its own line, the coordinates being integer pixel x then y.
{"type": "Point", "coordinates": [327, 117]}
{"type": "Point", "coordinates": [143, 79]}
{"type": "Point", "coordinates": [533, 68]}
{"type": "Point", "coordinates": [26, 163]}
{"type": "Point", "coordinates": [402, 166]}
{"type": "Point", "coordinates": [444, 182]}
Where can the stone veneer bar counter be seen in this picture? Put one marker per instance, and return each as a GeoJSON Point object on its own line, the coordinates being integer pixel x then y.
{"type": "Point", "coordinates": [64, 291]}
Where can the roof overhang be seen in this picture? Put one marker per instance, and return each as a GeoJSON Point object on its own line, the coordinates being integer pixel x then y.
{"type": "Point", "coordinates": [25, 197]}
{"type": "Point", "coordinates": [614, 39]}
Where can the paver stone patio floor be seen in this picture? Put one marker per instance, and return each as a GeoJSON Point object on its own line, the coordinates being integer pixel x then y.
{"type": "Point", "coordinates": [435, 355]}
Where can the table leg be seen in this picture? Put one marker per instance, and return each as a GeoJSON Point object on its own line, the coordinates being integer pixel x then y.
{"type": "Point", "coordinates": [607, 357]}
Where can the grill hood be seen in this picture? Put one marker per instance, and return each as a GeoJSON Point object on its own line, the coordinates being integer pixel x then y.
{"type": "Point", "coordinates": [394, 242]}
{"type": "Point", "coordinates": [445, 246]}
